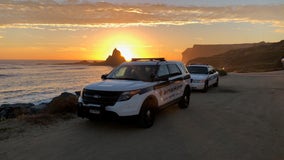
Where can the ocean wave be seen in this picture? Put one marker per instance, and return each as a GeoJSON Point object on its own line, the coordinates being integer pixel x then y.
{"type": "Point", "coordinates": [42, 83]}
{"type": "Point", "coordinates": [6, 68]}
{"type": "Point", "coordinates": [11, 91]}
{"type": "Point", "coordinates": [78, 68]}
{"type": "Point", "coordinates": [5, 75]}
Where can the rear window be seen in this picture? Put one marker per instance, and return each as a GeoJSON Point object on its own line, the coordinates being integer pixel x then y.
{"type": "Point", "coordinates": [174, 70]}
{"type": "Point", "coordinates": [197, 70]}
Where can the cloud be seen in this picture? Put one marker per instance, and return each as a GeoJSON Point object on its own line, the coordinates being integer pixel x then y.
{"type": "Point", "coordinates": [71, 15]}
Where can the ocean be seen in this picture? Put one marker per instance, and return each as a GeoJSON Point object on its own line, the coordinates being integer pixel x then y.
{"type": "Point", "coordinates": [29, 81]}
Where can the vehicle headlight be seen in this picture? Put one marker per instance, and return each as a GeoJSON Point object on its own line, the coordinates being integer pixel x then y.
{"type": "Point", "coordinates": [127, 95]}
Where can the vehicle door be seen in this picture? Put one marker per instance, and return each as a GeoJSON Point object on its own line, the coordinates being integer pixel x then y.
{"type": "Point", "coordinates": [175, 90]}
{"type": "Point", "coordinates": [212, 76]}
{"type": "Point", "coordinates": [163, 85]}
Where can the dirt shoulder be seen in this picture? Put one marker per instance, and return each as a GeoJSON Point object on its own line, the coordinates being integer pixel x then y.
{"type": "Point", "coordinates": [243, 118]}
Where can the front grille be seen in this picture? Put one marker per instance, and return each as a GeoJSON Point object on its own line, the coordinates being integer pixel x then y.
{"type": "Point", "coordinates": [104, 98]}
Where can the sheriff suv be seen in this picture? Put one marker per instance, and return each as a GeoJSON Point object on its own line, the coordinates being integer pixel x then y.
{"type": "Point", "coordinates": [203, 76]}
{"type": "Point", "coordinates": [138, 88]}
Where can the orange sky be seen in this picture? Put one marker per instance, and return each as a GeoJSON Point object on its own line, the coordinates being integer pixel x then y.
{"type": "Point", "coordinates": [45, 30]}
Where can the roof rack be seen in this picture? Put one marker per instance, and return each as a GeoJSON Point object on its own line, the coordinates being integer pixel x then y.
{"type": "Point", "coordinates": [148, 59]}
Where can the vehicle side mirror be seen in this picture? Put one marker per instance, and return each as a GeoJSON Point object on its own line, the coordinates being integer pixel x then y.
{"type": "Point", "coordinates": [104, 76]}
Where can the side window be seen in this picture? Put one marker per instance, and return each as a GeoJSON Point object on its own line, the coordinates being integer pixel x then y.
{"type": "Point", "coordinates": [174, 70]}
{"type": "Point", "coordinates": [120, 72]}
{"type": "Point", "coordinates": [163, 71]}
{"type": "Point", "coordinates": [183, 68]}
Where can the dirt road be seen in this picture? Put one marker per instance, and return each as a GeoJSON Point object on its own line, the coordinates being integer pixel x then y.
{"type": "Point", "coordinates": [242, 119]}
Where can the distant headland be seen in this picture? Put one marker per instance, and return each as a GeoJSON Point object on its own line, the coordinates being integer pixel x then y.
{"type": "Point", "coordinates": [113, 60]}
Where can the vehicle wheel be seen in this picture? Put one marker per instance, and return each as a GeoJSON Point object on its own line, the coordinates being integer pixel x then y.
{"type": "Point", "coordinates": [205, 89]}
{"type": "Point", "coordinates": [184, 102]}
{"type": "Point", "coordinates": [217, 83]}
{"type": "Point", "coordinates": [146, 116]}
{"type": "Point", "coordinates": [80, 112]}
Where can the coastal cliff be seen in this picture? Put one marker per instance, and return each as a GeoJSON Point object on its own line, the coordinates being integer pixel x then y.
{"type": "Point", "coordinates": [212, 49]}
{"type": "Point", "coordinates": [259, 58]}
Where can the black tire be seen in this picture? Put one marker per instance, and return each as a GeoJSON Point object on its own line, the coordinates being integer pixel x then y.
{"type": "Point", "coordinates": [205, 89]}
{"type": "Point", "coordinates": [80, 112]}
{"type": "Point", "coordinates": [147, 114]}
{"type": "Point", "coordinates": [184, 102]}
{"type": "Point", "coordinates": [217, 83]}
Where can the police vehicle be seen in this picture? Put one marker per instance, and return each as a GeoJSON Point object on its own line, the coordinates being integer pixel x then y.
{"type": "Point", "coordinates": [203, 76]}
{"type": "Point", "coordinates": [138, 88]}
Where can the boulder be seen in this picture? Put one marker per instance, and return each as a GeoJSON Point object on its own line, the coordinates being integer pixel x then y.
{"type": "Point", "coordinates": [65, 103]}
{"type": "Point", "coordinates": [38, 108]}
{"type": "Point", "coordinates": [15, 110]}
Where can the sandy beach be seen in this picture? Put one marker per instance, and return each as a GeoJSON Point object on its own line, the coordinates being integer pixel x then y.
{"type": "Point", "coordinates": [242, 119]}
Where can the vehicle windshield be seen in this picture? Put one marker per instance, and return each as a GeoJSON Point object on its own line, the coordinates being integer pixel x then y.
{"type": "Point", "coordinates": [133, 72]}
{"type": "Point", "coordinates": [197, 70]}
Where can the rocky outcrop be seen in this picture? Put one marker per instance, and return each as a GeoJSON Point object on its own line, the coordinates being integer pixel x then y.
{"type": "Point", "coordinates": [115, 59]}
{"type": "Point", "coordinates": [65, 103]}
{"type": "Point", "coordinates": [211, 50]}
{"type": "Point", "coordinates": [15, 110]}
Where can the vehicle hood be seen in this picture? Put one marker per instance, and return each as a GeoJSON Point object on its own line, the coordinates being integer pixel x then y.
{"type": "Point", "coordinates": [199, 76]}
{"type": "Point", "coordinates": [119, 85]}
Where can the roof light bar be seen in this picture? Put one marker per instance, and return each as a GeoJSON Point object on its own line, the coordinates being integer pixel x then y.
{"type": "Point", "coordinates": [148, 59]}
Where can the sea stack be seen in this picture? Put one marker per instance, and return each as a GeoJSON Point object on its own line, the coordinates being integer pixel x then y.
{"type": "Point", "coordinates": [115, 59]}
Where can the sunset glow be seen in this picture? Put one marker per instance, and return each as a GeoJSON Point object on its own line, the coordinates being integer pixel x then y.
{"type": "Point", "coordinates": [126, 51]}
{"type": "Point", "coordinates": [130, 43]}
{"type": "Point", "coordinates": [48, 30]}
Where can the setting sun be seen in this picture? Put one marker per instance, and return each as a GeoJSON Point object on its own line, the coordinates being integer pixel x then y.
{"type": "Point", "coordinates": [126, 51]}
{"type": "Point", "coordinates": [131, 45]}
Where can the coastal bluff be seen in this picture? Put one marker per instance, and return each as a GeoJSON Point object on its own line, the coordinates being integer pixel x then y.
{"type": "Point", "coordinates": [259, 58]}
{"type": "Point", "coordinates": [207, 50]}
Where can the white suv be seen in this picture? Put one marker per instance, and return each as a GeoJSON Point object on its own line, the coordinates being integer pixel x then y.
{"type": "Point", "coordinates": [137, 88]}
{"type": "Point", "coordinates": [203, 76]}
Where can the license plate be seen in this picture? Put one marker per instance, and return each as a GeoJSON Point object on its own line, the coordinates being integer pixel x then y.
{"type": "Point", "coordinates": [94, 111]}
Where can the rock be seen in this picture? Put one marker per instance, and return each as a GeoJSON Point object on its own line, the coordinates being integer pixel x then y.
{"type": "Point", "coordinates": [84, 62]}
{"type": "Point", "coordinates": [78, 93]}
{"type": "Point", "coordinates": [65, 103]}
{"type": "Point", "coordinates": [15, 110]}
{"type": "Point", "coordinates": [38, 108]}
{"type": "Point", "coordinates": [115, 59]}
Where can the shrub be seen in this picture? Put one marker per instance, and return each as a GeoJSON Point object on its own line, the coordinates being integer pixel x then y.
{"type": "Point", "coordinates": [222, 72]}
